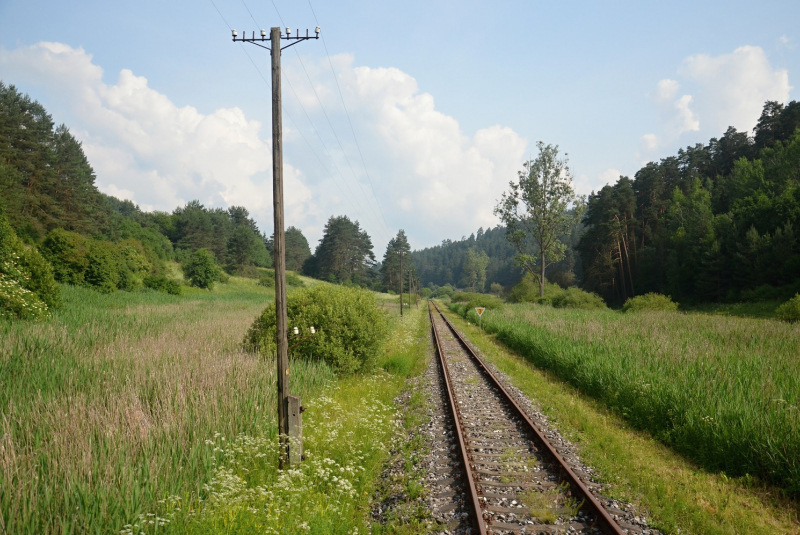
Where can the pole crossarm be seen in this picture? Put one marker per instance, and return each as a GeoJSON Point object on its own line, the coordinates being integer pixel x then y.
{"type": "Point", "coordinates": [264, 37]}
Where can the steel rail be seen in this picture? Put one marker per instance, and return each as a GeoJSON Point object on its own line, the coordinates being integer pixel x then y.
{"type": "Point", "coordinates": [476, 511]}
{"type": "Point", "coordinates": [603, 517]}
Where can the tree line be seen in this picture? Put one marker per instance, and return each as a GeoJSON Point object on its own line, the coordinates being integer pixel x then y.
{"type": "Point", "coordinates": [717, 222]}
{"type": "Point", "coordinates": [49, 197]}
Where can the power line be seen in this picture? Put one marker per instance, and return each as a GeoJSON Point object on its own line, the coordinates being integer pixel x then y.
{"type": "Point", "coordinates": [382, 218]}
{"type": "Point", "coordinates": [352, 198]}
{"type": "Point", "coordinates": [347, 113]}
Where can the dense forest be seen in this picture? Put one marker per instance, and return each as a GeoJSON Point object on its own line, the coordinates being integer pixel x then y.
{"type": "Point", "coordinates": [717, 222]}
{"type": "Point", "coordinates": [459, 263]}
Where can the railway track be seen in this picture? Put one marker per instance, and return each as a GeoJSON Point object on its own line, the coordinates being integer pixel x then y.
{"type": "Point", "coordinates": [515, 480]}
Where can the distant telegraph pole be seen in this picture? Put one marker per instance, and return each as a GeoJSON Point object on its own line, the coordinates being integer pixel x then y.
{"type": "Point", "coordinates": [401, 282]}
{"type": "Point", "coordinates": [277, 200]}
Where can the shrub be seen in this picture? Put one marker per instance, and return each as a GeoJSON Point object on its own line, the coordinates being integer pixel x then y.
{"type": "Point", "coordinates": [103, 266]}
{"type": "Point", "coordinates": [442, 291]}
{"type": "Point", "coordinates": [201, 269]}
{"type": "Point", "coordinates": [293, 280]}
{"type": "Point", "coordinates": [790, 310]}
{"type": "Point", "coordinates": [577, 298]}
{"type": "Point", "coordinates": [160, 283]}
{"type": "Point", "coordinates": [27, 286]}
{"type": "Point", "coordinates": [527, 291]}
{"type": "Point", "coordinates": [350, 326]}
{"type": "Point", "coordinates": [267, 279]}
{"type": "Point", "coordinates": [649, 301]}
{"type": "Point", "coordinates": [425, 293]}
{"type": "Point", "coordinates": [496, 288]}
{"type": "Point", "coordinates": [66, 252]}
{"type": "Point", "coordinates": [472, 300]}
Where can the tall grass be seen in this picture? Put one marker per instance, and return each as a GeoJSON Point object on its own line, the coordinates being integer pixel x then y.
{"type": "Point", "coordinates": [104, 409]}
{"type": "Point", "coordinates": [346, 435]}
{"type": "Point", "coordinates": [724, 391]}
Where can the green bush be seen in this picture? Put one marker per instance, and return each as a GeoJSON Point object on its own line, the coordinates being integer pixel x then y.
{"type": "Point", "coordinates": [527, 291]}
{"type": "Point", "coordinates": [465, 302]}
{"type": "Point", "coordinates": [442, 291]}
{"type": "Point", "coordinates": [293, 280]}
{"type": "Point", "coordinates": [201, 270]}
{"type": "Point", "coordinates": [425, 293]}
{"type": "Point", "coordinates": [161, 283]}
{"type": "Point", "coordinates": [267, 279]}
{"type": "Point", "coordinates": [577, 298]}
{"type": "Point", "coordinates": [103, 266]}
{"type": "Point", "coordinates": [66, 251]}
{"type": "Point", "coordinates": [790, 310]}
{"type": "Point", "coordinates": [27, 286]}
{"type": "Point", "coordinates": [350, 325]}
{"type": "Point", "coordinates": [649, 301]}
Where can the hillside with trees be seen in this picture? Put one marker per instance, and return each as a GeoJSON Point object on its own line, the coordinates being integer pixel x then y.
{"type": "Point", "coordinates": [717, 222]}
{"type": "Point", "coordinates": [50, 204]}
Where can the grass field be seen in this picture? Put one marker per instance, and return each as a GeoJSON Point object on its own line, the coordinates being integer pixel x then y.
{"type": "Point", "coordinates": [124, 406]}
{"type": "Point", "coordinates": [723, 391]}
{"type": "Point", "coordinates": [673, 493]}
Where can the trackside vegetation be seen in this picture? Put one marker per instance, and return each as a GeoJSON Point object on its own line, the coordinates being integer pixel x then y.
{"type": "Point", "coordinates": [350, 327]}
{"type": "Point", "coordinates": [347, 432]}
{"type": "Point", "coordinates": [674, 495]}
{"type": "Point", "coordinates": [723, 391]}
{"type": "Point", "coordinates": [27, 287]}
{"type": "Point", "coordinates": [124, 410]}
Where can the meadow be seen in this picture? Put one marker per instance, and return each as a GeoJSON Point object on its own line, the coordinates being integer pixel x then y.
{"type": "Point", "coordinates": [723, 391]}
{"type": "Point", "coordinates": [123, 406]}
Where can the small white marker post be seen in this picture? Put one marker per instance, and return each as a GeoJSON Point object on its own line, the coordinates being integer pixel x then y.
{"type": "Point", "coordinates": [480, 311]}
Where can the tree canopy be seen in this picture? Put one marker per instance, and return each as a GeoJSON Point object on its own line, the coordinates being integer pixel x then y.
{"type": "Point", "coordinates": [390, 267]}
{"type": "Point", "coordinates": [344, 254]}
{"type": "Point", "coordinates": [537, 209]}
{"type": "Point", "coordinates": [717, 222]}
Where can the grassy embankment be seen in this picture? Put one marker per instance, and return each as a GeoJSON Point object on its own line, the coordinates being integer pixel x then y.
{"type": "Point", "coordinates": [106, 408]}
{"type": "Point", "coordinates": [722, 391]}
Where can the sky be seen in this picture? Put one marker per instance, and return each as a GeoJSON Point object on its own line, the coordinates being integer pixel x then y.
{"type": "Point", "coordinates": [409, 115]}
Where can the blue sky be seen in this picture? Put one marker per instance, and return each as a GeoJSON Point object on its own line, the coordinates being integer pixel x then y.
{"type": "Point", "coordinates": [446, 98]}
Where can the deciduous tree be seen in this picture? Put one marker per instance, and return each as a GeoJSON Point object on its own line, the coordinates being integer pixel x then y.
{"type": "Point", "coordinates": [537, 207]}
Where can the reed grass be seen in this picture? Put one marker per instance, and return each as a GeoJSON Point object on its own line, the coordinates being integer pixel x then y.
{"type": "Point", "coordinates": [104, 408]}
{"type": "Point", "coordinates": [723, 391]}
{"type": "Point", "coordinates": [347, 432]}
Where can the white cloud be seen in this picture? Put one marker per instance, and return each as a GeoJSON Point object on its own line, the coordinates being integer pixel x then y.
{"type": "Point", "coordinates": [432, 179]}
{"type": "Point", "coordinates": [674, 114]}
{"type": "Point", "coordinates": [732, 88]}
{"type": "Point", "coordinates": [145, 148]}
{"type": "Point", "coordinates": [649, 142]}
{"type": "Point", "coordinates": [610, 176]}
{"type": "Point", "coordinates": [785, 42]}
{"type": "Point", "coordinates": [727, 90]}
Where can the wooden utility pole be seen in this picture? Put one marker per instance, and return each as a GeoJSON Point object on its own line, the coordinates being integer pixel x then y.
{"type": "Point", "coordinates": [287, 453]}
{"type": "Point", "coordinates": [279, 249]}
{"type": "Point", "coordinates": [401, 282]}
